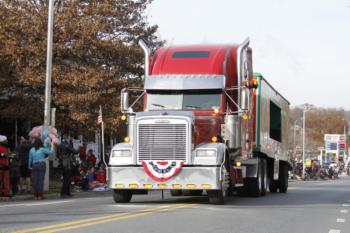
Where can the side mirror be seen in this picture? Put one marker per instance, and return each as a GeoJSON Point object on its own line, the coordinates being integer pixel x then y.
{"type": "Point", "coordinates": [124, 100]}
{"type": "Point", "coordinates": [245, 98]}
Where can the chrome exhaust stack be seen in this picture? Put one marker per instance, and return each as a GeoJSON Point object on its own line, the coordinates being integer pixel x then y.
{"type": "Point", "coordinates": [147, 52]}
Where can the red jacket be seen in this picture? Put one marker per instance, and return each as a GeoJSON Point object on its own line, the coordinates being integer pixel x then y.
{"type": "Point", "coordinates": [82, 153]}
{"type": "Point", "coordinates": [92, 159]}
{"type": "Point", "coordinates": [101, 177]}
{"type": "Point", "coordinates": [4, 162]}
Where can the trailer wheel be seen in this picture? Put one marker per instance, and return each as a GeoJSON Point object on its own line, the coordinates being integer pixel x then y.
{"type": "Point", "coordinates": [273, 186]}
{"type": "Point", "coordinates": [175, 192]}
{"type": "Point", "coordinates": [254, 184]}
{"type": "Point", "coordinates": [283, 178]}
{"type": "Point", "coordinates": [122, 195]}
{"type": "Point", "coordinates": [264, 177]}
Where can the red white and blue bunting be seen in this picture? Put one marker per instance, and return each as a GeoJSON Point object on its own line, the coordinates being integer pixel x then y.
{"type": "Point", "coordinates": [163, 170]}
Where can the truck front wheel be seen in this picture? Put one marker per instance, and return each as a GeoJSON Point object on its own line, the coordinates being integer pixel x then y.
{"type": "Point", "coordinates": [216, 197]}
{"type": "Point", "coordinates": [122, 196]}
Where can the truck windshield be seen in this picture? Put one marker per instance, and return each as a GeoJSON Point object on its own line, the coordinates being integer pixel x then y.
{"type": "Point", "coordinates": [184, 100]}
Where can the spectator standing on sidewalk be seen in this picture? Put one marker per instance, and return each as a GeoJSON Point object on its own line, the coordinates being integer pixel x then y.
{"type": "Point", "coordinates": [14, 173]}
{"type": "Point", "coordinates": [37, 165]}
{"type": "Point", "coordinates": [66, 156]}
{"type": "Point", "coordinates": [4, 168]}
{"type": "Point", "coordinates": [22, 150]}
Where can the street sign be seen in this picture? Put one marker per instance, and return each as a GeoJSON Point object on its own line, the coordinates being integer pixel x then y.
{"type": "Point", "coordinates": [335, 143]}
{"type": "Point", "coordinates": [331, 146]}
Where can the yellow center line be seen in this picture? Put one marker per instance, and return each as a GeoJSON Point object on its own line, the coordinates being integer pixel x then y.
{"type": "Point", "coordinates": [97, 219]}
{"type": "Point", "coordinates": [116, 218]}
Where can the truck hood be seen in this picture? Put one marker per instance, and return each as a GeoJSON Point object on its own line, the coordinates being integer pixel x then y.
{"type": "Point", "coordinates": [188, 114]}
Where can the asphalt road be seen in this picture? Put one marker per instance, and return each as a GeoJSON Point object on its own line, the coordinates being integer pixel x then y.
{"type": "Point", "coordinates": [308, 207]}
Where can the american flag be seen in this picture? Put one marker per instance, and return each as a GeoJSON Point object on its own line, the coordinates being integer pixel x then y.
{"type": "Point", "coordinates": [99, 118]}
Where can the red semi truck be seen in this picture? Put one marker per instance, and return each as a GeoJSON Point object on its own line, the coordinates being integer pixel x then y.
{"type": "Point", "coordinates": [208, 124]}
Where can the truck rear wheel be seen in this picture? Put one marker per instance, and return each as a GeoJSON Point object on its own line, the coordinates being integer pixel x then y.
{"type": "Point", "coordinates": [283, 178]}
{"type": "Point", "coordinates": [122, 195]}
{"type": "Point", "coordinates": [175, 192]}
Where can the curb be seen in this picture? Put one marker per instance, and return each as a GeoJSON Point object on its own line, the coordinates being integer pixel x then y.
{"type": "Point", "coordinates": [50, 196]}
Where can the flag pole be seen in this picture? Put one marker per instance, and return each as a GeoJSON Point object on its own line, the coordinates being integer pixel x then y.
{"type": "Point", "coordinates": [103, 143]}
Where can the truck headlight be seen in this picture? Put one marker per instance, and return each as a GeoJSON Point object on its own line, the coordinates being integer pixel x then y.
{"type": "Point", "coordinates": [206, 153]}
{"type": "Point", "coordinates": [121, 153]}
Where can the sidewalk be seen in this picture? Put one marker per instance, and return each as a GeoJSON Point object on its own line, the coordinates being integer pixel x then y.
{"type": "Point", "coordinates": [56, 195]}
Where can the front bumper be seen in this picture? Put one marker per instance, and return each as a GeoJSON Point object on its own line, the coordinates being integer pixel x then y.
{"type": "Point", "coordinates": [192, 178]}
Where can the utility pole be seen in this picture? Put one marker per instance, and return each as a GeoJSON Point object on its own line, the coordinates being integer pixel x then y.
{"type": "Point", "coordinates": [305, 109]}
{"type": "Point", "coordinates": [294, 135]}
{"type": "Point", "coordinates": [47, 109]}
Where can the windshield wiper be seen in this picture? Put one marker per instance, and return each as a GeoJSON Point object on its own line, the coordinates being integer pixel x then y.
{"type": "Point", "coordinates": [192, 106]}
{"type": "Point", "coordinates": [159, 105]}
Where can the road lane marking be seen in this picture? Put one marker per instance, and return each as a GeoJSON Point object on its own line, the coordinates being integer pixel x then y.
{"type": "Point", "coordinates": [117, 218]}
{"type": "Point", "coordinates": [334, 231]}
{"type": "Point", "coordinates": [345, 205]}
{"type": "Point", "coordinates": [101, 218]}
{"type": "Point", "coordinates": [340, 220]}
{"type": "Point", "coordinates": [343, 211]}
{"type": "Point", "coordinates": [35, 204]}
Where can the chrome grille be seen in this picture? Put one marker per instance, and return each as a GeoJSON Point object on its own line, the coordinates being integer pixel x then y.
{"type": "Point", "coordinates": [162, 142]}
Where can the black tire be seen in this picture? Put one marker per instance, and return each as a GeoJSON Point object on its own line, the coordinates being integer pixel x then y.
{"type": "Point", "coordinates": [242, 191]}
{"type": "Point", "coordinates": [264, 179]}
{"type": "Point", "coordinates": [122, 195]}
{"type": "Point", "coordinates": [283, 178]}
{"type": "Point", "coordinates": [273, 185]}
{"type": "Point", "coordinates": [175, 192]}
{"type": "Point", "coordinates": [254, 184]}
{"type": "Point", "coordinates": [192, 192]}
{"type": "Point", "coordinates": [216, 197]}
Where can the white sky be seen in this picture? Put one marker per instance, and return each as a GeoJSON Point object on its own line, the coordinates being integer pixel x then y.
{"type": "Point", "coordinates": [302, 47]}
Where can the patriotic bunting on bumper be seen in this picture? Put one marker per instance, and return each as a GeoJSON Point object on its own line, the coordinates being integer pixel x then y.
{"type": "Point", "coordinates": [162, 170]}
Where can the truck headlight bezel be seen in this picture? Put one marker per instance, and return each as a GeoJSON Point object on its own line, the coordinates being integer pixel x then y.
{"type": "Point", "coordinates": [206, 153]}
{"type": "Point", "coordinates": [121, 153]}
